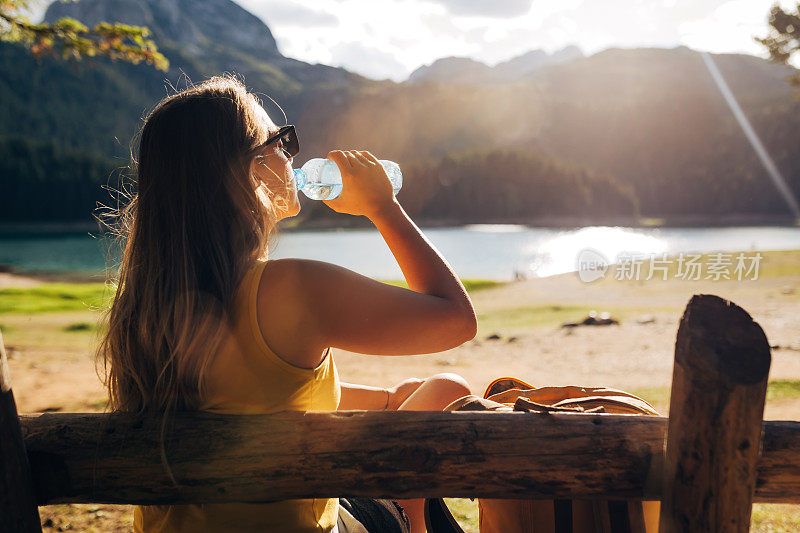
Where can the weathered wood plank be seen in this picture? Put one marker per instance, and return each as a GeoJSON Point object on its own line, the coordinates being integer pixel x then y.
{"type": "Point", "coordinates": [778, 479]}
{"type": "Point", "coordinates": [719, 386]}
{"type": "Point", "coordinates": [18, 510]}
{"type": "Point", "coordinates": [82, 458]}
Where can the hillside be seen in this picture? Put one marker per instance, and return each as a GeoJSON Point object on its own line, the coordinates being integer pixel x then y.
{"type": "Point", "coordinates": [648, 126]}
{"type": "Point", "coordinates": [97, 105]}
{"type": "Point", "coordinates": [651, 118]}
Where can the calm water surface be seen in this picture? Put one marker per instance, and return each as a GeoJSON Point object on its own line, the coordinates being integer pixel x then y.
{"type": "Point", "coordinates": [477, 251]}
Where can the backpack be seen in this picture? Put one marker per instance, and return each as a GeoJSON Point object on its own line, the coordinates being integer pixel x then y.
{"type": "Point", "coordinates": [551, 516]}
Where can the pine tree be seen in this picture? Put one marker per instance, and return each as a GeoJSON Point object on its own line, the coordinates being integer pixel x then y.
{"type": "Point", "coordinates": [783, 39]}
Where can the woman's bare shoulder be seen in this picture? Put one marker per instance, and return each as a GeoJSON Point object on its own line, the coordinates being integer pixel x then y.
{"type": "Point", "coordinates": [283, 307]}
{"type": "Point", "coordinates": [283, 269]}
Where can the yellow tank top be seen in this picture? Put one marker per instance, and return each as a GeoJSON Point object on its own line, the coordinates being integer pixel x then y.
{"type": "Point", "coordinates": [247, 377]}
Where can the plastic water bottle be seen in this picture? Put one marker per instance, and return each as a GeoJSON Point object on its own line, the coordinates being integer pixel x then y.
{"type": "Point", "coordinates": [319, 179]}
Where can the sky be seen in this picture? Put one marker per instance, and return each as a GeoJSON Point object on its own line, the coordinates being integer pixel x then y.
{"type": "Point", "coordinates": [391, 38]}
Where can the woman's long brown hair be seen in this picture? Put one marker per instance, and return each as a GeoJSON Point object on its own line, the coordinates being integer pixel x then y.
{"type": "Point", "coordinates": [191, 230]}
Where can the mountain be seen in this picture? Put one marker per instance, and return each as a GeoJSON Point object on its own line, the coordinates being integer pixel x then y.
{"type": "Point", "coordinates": [96, 105]}
{"type": "Point", "coordinates": [469, 71]}
{"type": "Point", "coordinates": [621, 133]}
{"type": "Point", "coordinates": [521, 66]}
{"type": "Point", "coordinates": [652, 118]}
{"type": "Point", "coordinates": [218, 34]}
{"type": "Point", "coordinates": [196, 24]}
{"type": "Point", "coordinates": [451, 70]}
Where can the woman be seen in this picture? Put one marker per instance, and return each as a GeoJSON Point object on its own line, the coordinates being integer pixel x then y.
{"type": "Point", "coordinates": [203, 320]}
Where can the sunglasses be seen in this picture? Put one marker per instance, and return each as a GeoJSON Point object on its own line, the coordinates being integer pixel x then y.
{"type": "Point", "coordinates": [287, 136]}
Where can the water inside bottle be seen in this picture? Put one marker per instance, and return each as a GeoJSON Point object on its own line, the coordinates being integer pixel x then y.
{"type": "Point", "coordinates": [319, 191]}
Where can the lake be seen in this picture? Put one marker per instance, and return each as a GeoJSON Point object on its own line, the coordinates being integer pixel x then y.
{"type": "Point", "coordinates": [477, 251]}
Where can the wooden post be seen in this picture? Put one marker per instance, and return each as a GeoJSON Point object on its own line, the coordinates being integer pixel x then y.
{"type": "Point", "coordinates": [18, 510]}
{"type": "Point", "coordinates": [719, 386]}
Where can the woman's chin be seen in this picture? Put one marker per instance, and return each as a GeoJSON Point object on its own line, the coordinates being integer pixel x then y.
{"type": "Point", "coordinates": [289, 213]}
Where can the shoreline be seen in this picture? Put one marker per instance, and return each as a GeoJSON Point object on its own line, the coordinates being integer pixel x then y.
{"type": "Point", "coordinates": [13, 277]}
{"type": "Point", "coordinates": [11, 229]}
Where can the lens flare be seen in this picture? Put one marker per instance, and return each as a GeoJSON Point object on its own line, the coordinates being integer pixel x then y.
{"type": "Point", "coordinates": [750, 133]}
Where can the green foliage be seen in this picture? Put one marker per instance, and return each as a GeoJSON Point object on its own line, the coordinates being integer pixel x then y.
{"type": "Point", "coordinates": [45, 182]}
{"type": "Point", "coordinates": [510, 185]}
{"type": "Point", "coordinates": [53, 297]}
{"type": "Point", "coordinates": [783, 39]}
{"type": "Point", "coordinates": [70, 39]}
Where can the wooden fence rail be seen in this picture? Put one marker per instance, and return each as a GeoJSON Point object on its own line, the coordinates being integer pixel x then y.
{"type": "Point", "coordinates": [707, 462]}
{"type": "Point", "coordinates": [81, 458]}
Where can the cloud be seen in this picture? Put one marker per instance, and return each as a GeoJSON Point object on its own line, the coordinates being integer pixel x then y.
{"type": "Point", "coordinates": [367, 61]}
{"type": "Point", "coordinates": [389, 38]}
{"type": "Point", "coordinates": [287, 13]}
{"type": "Point", "coordinates": [486, 8]}
{"type": "Point", "coordinates": [730, 28]}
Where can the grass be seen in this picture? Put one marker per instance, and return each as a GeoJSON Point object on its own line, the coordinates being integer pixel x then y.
{"type": "Point", "coordinates": [54, 297]}
{"type": "Point", "coordinates": [79, 326]}
{"type": "Point", "coordinates": [773, 264]}
{"type": "Point", "coordinates": [775, 518]}
{"type": "Point", "coordinates": [779, 389]}
{"type": "Point", "coordinates": [783, 389]}
{"type": "Point", "coordinates": [472, 285]}
{"type": "Point", "coordinates": [657, 396]}
{"type": "Point", "coordinates": [465, 511]}
{"type": "Point", "coordinates": [68, 317]}
{"type": "Point", "coordinates": [550, 314]}
{"type": "Point", "coordinates": [778, 264]}
{"type": "Point", "coordinates": [58, 332]}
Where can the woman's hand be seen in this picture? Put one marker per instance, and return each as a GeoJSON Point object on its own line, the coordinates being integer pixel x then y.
{"type": "Point", "coordinates": [400, 392]}
{"type": "Point", "coordinates": [366, 187]}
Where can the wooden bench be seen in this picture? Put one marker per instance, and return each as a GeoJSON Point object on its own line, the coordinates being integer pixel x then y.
{"type": "Point", "coordinates": [707, 463]}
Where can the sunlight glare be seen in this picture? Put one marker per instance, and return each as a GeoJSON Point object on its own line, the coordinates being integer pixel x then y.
{"type": "Point", "coordinates": [559, 254]}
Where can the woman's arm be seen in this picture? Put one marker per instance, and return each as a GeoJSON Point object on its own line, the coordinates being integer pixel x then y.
{"type": "Point", "coordinates": [306, 306]}
{"type": "Point", "coordinates": [376, 398]}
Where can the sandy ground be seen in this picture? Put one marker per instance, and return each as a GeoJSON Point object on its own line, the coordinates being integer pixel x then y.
{"type": "Point", "coordinates": [633, 356]}
{"type": "Point", "coordinates": [52, 370]}
{"type": "Point", "coordinates": [56, 372]}
{"type": "Point", "coordinates": [8, 279]}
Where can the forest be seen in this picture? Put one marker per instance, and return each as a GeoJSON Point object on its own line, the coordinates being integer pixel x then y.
{"type": "Point", "coordinates": [623, 134]}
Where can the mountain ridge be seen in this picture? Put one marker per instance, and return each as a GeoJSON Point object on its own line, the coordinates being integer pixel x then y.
{"type": "Point", "coordinates": [218, 33]}
{"type": "Point", "coordinates": [466, 70]}
{"type": "Point", "coordinates": [647, 125]}
{"type": "Point", "coordinates": [189, 22]}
